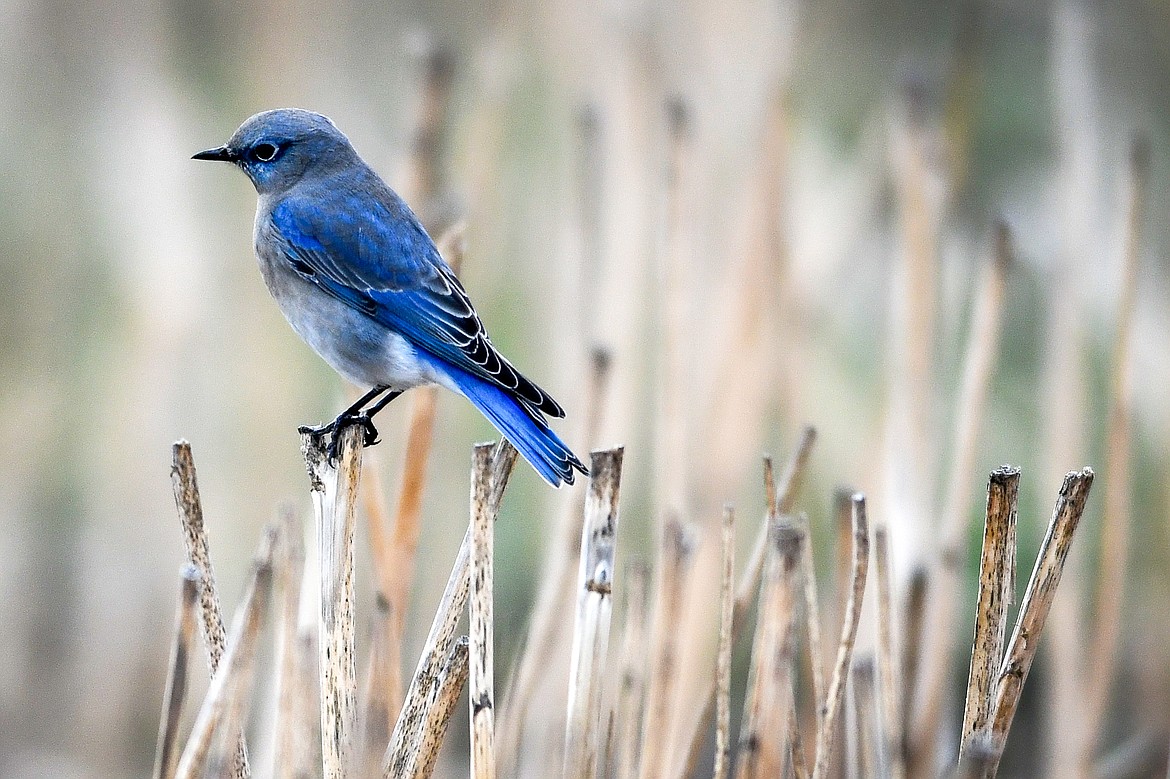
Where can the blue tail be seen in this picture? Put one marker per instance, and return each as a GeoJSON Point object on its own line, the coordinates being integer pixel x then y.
{"type": "Point", "coordinates": [524, 428]}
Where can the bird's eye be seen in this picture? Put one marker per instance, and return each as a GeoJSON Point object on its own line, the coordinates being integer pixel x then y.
{"type": "Point", "coordinates": [264, 152]}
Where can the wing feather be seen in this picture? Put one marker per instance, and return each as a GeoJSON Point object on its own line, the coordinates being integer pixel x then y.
{"type": "Point", "coordinates": [379, 260]}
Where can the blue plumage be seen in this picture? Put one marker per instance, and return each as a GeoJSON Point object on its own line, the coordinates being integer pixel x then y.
{"type": "Point", "coordinates": [360, 280]}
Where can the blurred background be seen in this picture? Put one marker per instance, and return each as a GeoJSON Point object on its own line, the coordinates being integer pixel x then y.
{"type": "Point", "coordinates": [770, 213]}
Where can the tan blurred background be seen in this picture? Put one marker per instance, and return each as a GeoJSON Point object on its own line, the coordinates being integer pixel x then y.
{"type": "Point", "coordinates": [132, 314]}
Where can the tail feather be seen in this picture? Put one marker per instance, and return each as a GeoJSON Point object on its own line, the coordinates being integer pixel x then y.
{"type": "Point", "coordinates": [525, 428]}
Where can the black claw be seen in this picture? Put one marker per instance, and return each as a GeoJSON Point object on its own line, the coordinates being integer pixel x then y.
{"type": "Point", "coordinates": [333, 431]}
{"type": "Point", "coordinates": [371, 432]}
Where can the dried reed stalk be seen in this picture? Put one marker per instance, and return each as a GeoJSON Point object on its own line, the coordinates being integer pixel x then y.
{"type": "Point", "coordinates": [976, 761]}
{"type": "Point", "coordinates": [812, 619]}
{"type": "Point", "coordinates": [632, 682]}
{"type": "Point", "coordinates": [942, 614]}
{"type": "Point", "coordinates": [230, 686]}
{"type": "Point", "coordinates": [594, 606]}
{"type": "Point", "coordinates": [768, 703]}
{"type": "Point", "coordinates": [755, 331]}
{"type": "Point", "coordinates": [375, 703]}
{"type": "Point", "coordinates": [780, 501]}
{"type": "Point", "coordinates": [335, 499]}
{"type": "Point", "coordinates": [796, 755]}
{"type": "Point", "coordinates": [382, 685]}
{"type": "Point", "coordinates": [997, 585]}
{"type": "Point", "coordinates": [913, 610]}
{"type": "Point", "coordinates": [836, 693]}
{"type": "Point", "coordinates": [590, 179]}
{"type": "Point", "coordinates": [1021, 651]}
{"type": "Point", "coordinates": [450, 687]}
{"type": "Point", "coordinates": [868, 760]}
{"type": "Point", "coordinates": [914, 308]}
{"type": "Point", "coordinates": [889, 685]}
{"type": "Point", "coordinates": [295, 726]}
{"type": "Point", "coordinates": [423, 186]}
{"type": "Point", "coordinates": [166, 757]}
{"type": "Point", "coordinates": [555, 589]}
{"type": "Point", "coordinates": [842, 574]}
{"type": "Point", "coordinates": [406, 741]}
{"type": "Point", "coordinates": [1072, 280]}
{"type": "Point", "coordinates": [785, 500]}
{"type": "Point", "coordinates": [671, 421]}
{"type": "Point", "coordinates": [1117, 516]}
{"type": "Point", "coordinates": [723, 663]}
{"type": "Point", "coordinates": [481, 652]}
{"type": "Point", "coordinates": [423, 183]}
{"type": "Point", "coordinates": [678, 548]}
{"type": "Point", "coordinates": [186, 489]}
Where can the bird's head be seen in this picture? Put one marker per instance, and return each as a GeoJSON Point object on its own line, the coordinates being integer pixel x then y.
{"type": "Point", "coordinates": [276, 148]}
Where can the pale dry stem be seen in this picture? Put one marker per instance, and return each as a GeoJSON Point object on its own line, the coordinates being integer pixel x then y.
{"type": "Point", "coordinates": [836, 692]}
{"type": "Point", "coordinates": [166, 758]}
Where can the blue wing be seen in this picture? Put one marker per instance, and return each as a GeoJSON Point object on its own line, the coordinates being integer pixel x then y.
{"type": "Point", "coordinates": [369, 250]}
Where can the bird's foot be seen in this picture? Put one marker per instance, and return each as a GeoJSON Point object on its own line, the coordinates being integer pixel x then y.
{"type": "Point", "coordinates": [333, 429]}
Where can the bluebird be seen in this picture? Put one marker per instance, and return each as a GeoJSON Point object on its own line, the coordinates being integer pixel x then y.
{"type": "Point", "coordinates": [362, 283]}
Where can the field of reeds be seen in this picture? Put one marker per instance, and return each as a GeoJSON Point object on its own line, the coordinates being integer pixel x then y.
{"type": "Point", "coordinates": [858, 314]}
{"type": "Point", "coordinates": [632, 714]}
{"type": "Point", "coordinates": [652, 688]}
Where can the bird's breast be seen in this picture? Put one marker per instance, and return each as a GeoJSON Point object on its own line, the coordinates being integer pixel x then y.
{"type": "Point", "coordinates": [364, 351]}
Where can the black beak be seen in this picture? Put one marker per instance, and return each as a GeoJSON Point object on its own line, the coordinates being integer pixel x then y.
{"type": "Point", "coordinates": [218, 154]}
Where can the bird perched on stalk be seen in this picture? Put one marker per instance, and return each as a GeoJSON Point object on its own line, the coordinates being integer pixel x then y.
{"type": "Point", "coordinates": [362, 283]}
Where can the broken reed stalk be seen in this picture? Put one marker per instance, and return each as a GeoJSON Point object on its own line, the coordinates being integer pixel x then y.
{"type": "Point", "coordinates": [780, 501]}
{"type": "Point", "coordinates": [231, 685]}
{"type": "Point", "coordinates": [678, 548]}
{"type": "Point", "coordinates": [632, 682]}
{"type": "Point", "coordinates": [186, 489]}
{"type": "Point", "coordinates": [1066, 515]}
{"type": "Point", "coordinates": [997, 585]}
{"type": "Point", "coordinates": [768, 704]}
{"type": "Point", "coordinates": [1117, 515]}
{"type": "Point", "coordinates": [166, 757]}
{"type": "Point", "coordinates": [335, 499]}
{"type": "Point", "coordinates": [836, 693]}
{"type": "Point", "coordinates": [723, 662]}
{"type": "Point", "coordinates": [481, 662]}
{"type": "Point", "coordinates": [406, 740]}
{"type": "Point", "coordinates": [238, 699]}
{"type": "Point", "coordinates": [594, 607]}
{"type": "Point", "coordinates": [554, 591]}
{"type": "Point", "coordinates": [450, 687]}
{"type": "Point", "coordinates": [942, 616]}
{"type": "Point", "coordinates": [891, 729]}
{"type": "Point", "coordinates": [785, 492]}
{"type": "Point", "coordinates": [295, 731]}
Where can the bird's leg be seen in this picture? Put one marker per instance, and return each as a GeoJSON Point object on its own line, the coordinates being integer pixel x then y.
{"type": "Point", "coordinates": [365, 419]}
{"type": "Point", "coordinates": [381, 404]}
{"type": "Point", "coordinates": [352, 414]}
